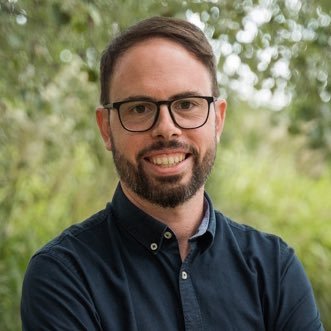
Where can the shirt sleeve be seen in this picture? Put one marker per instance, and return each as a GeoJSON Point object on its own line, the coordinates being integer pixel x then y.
{"type": "Point", "coordinates": [54, 297]}
{"type": "Point", "coordinates": [297, 309]}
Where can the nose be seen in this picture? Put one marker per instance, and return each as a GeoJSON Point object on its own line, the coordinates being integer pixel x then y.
{"type": "Point", "coordinates": [165, 127]}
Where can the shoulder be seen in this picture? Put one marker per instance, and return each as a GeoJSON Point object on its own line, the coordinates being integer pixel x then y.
{"type": "Point", "coordinates": [80, 240]}
{"type": "Point", "coordinates": [244, 231]}
{"type": "Point", "coordinates": [57, 275]}
{"type": "Point", "coordinates": [253, 244]}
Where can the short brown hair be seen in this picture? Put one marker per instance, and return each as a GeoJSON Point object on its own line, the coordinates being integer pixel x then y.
{"type": "Point", "coordinates": [177, 30]}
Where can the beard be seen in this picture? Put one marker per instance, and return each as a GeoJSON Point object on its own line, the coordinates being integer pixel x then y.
{"type": "Point", "coordinates": [165, 191]}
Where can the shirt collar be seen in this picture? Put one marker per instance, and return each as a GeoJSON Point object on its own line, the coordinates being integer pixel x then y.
{"type": "Point", "coordinates": [203, 227]}
{"type": "Point", "coordinates": [149, 231]}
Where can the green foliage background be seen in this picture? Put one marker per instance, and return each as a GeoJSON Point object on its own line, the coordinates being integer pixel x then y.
{"type": "Point", "coordinates": [273, 167]}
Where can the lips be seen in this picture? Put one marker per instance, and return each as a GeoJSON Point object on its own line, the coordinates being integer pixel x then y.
{"type": "Point", "coordinates": [167, 160]}
{"type": "Point", "coordinates": [166, 157]}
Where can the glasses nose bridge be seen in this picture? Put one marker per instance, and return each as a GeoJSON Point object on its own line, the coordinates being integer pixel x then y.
{"type": "Point", "coordinates": [167, 103]}
{"type": "Point", "coordinates": [163, 102]}
{"type": "Point", "coordinates": [158, 107]}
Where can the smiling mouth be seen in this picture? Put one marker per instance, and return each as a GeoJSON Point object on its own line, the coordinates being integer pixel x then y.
{"type": "Point", "coordinates": [167, 160]}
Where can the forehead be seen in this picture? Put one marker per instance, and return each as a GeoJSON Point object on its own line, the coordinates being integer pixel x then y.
{"type": "Point", "coordinates": [158, 64]}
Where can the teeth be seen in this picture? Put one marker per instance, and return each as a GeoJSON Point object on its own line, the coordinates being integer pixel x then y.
{"type": "Point", "coordinates": [168, 160]}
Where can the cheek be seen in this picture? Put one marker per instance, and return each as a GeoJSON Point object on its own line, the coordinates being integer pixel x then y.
{"type": "Point", "coordinates": [127, 145]}
{"type": "Point", "coordinates": [206, 137]}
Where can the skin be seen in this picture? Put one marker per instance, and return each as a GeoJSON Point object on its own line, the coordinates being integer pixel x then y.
{"type": "Point", "coordinates": [162, 69]}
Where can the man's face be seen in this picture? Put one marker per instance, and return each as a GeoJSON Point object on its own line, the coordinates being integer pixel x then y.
{"type": "Point", "coordinates": [166, 165]}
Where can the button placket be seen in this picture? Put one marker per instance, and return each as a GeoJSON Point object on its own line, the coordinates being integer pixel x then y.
{"type": "Point", "coordinates": [188, 295]}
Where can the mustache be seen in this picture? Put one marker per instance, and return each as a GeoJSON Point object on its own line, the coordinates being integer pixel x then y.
{"type": "Point", "coordinates": [171, 144]}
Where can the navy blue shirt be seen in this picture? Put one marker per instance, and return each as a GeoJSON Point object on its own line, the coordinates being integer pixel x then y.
{"type": "Point", "coordinates": [121, 270]}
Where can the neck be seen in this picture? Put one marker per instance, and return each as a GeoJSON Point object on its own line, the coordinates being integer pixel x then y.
{"type": "Point", "coordinates": [183, 220]}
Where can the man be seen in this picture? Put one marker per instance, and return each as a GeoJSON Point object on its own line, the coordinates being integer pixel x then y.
{"type": "Point", "coordinates": [159, 257]}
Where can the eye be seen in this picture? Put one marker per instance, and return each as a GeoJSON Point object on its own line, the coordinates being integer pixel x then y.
{"type": "Point", "coordinates": [185, 104]}
{"type": "Point", "coordinates": [138, 108]}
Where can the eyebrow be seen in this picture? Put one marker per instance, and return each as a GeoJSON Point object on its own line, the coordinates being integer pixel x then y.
{"type": "Point", "coordinates": [142, 97]}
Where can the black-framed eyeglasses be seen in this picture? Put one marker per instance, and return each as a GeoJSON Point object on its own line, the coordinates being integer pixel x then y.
{"type": "Point", "coordinates": [141, 115]}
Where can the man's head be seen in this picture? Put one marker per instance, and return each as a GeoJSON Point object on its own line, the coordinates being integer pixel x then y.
{"type": "Point", "coordinates": [168, 160]}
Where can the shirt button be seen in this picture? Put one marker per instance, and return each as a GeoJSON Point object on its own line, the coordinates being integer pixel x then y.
{"type": "Point", "coordinates": [167, 235]}
{"type": "Point", "coordinates": [184, 275]}
{"type": "Point", "coordinates": [153, 246]}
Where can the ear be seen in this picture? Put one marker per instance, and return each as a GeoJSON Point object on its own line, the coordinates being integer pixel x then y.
{"type": "Point", "coordinates": [102, 118]}
{"type": "Point", "coordinates": [220, 112]}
